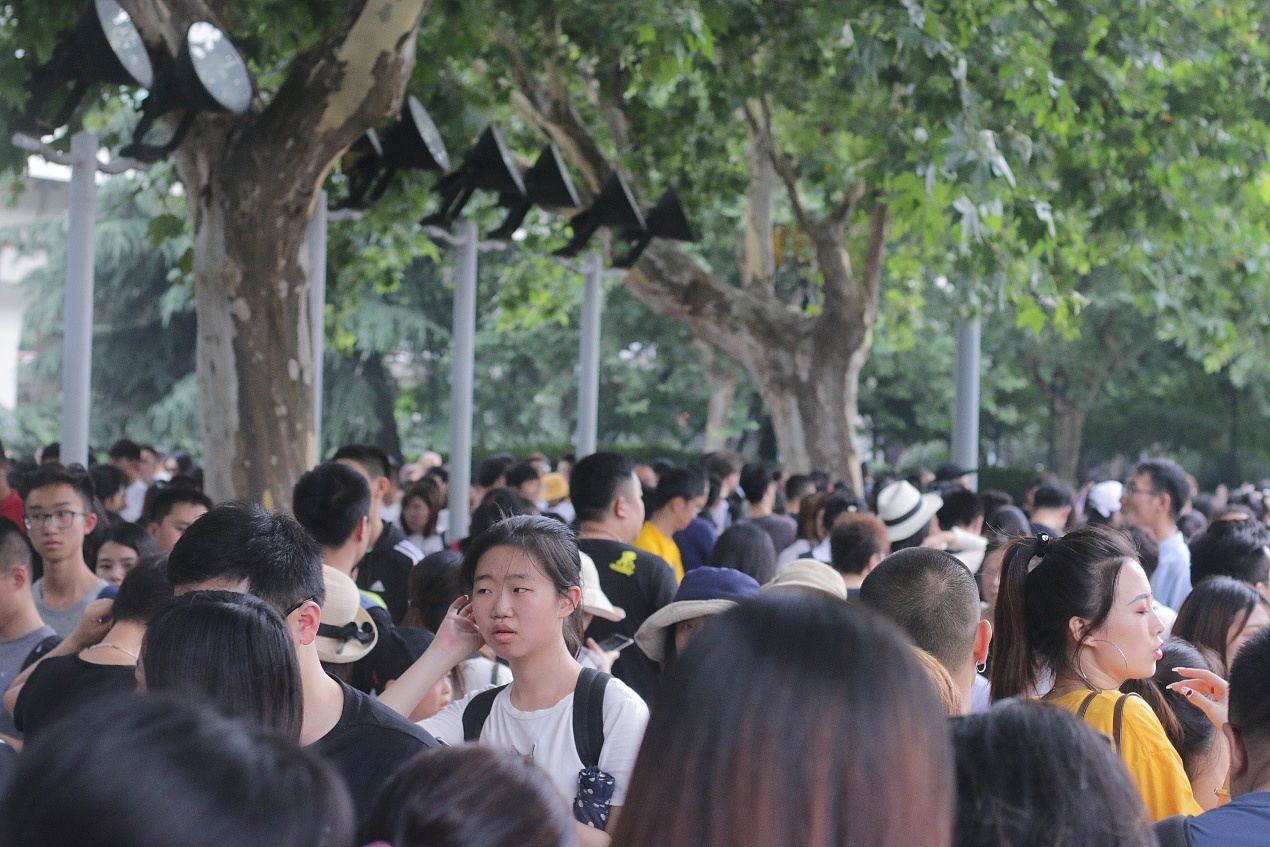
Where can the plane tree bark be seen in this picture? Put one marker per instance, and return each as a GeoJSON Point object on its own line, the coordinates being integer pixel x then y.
{"type": "Point", "coordinates": [252, 182]}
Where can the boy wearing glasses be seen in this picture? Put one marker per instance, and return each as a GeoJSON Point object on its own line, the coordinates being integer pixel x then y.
{"type": "Point", "coordinates": [58, 515]}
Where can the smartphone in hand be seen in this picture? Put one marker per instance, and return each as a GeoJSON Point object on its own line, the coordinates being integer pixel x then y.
{"type": "Point", "coordinates": [615, 643]}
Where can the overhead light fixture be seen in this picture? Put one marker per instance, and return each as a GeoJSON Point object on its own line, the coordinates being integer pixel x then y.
{"type": "Point", "coordinates": [104, 47]}
{"type": "Point", "coordinates": [412, 143]}
{"type": "Point", "coordinates": [613, 207]}
{"type": "Point", "coordinates": [547, 185]}
{"type": "Point", "coordinates": [665, 220]}
{"type": "Point", "coordinates": [208, 75]}
{"type": "Point", "coordinates": [488, 167]}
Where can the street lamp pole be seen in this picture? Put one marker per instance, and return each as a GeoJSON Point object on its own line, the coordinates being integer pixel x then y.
{"type": "Point", "coordinates": [77, 332]}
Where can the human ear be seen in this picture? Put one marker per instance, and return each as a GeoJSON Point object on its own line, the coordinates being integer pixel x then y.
{"type": "Point", "coordinates": [304, 622]}
{"type": "Point", "coordinates": [1078, 628]}
{"type": "Point", "coordinates": [570, 601]}
{"type": "Point", "coordinates": [90, 522]}
{"type": "Point", "coordinates": [983, 640]}
{"type": "Point", "coordinates": [1238, 753]}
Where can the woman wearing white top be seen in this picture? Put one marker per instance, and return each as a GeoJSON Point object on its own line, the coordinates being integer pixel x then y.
{"type": "Point", "coordinates": [420, 509]}
{"type": "Point", "coordinates": [524, 574]}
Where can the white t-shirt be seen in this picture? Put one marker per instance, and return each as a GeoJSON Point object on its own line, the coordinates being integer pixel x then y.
{"type": "Point", "coordinates": [546, 736]}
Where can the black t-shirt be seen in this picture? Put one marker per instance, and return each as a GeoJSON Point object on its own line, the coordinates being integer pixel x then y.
{"type": "Point", "coordinates": [638, 583]}
{"type": "Point", "coordinates": [63, 683]}
{"type": "Point", "coordinates": [385, 569]}
{"type": "Point", "coordinates": [368, 744]}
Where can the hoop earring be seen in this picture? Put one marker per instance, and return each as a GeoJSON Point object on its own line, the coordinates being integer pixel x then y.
{"type": "Point", "coordinates": [1123, 657]}
{"type": "Point", "coordinates": [981, 668]}
{"type": "Point", "coordinates": [1080, 672]}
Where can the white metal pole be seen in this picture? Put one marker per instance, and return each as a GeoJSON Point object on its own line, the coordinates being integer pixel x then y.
{"type": "Point", "coordinates": [965, 440]}
{"type": "Point", "coordinates": [316, 240]}
{"type": "Point", "coordinates": [589, 355]}
{"type": "Point", "coordinates": [77, 337]}
{"type": "Point", "coordinates": [461, 377]}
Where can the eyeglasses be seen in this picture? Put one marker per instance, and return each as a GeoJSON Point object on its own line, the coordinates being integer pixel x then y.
{"type": "Point", "coordinates": [288, 612]}
{"type": "Point", "coordinates": [1131, 489]}
{"type": "Point", "coordinates": [60, 519]}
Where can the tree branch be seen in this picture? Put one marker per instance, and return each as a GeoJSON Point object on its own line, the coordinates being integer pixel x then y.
{"type": "Point", "coordinates": [783, 164]}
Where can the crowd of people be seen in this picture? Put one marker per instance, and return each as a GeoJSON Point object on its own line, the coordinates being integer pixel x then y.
{"type": "Point", "coordinates": [716, 653]}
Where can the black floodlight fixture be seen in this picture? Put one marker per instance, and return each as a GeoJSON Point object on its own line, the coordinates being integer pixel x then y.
{"type": "Point", "coordinates": [547, 185]}
{"type": "Point", "coordinates": [613, 207]}
{"type": "Point", "coordinates": [488, 167]}
{"type": "Point", "coordinates": [412, 143]}
{"type": "Point", "coordinates": [665, 220]}
{"type": "Point", "coordinates": [361, 165]}
{"type": "Point", "coordinates": [208, 75]}
{"type": "Point", "coordinates": [104, 47]}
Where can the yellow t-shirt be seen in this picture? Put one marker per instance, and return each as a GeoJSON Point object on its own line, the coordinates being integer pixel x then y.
{"type": "Point", "coordinates": [653, 540]}
{"type": "Point", "coordinates": [1152, 761]}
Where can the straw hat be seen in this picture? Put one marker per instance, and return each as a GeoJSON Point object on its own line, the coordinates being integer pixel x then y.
{"type": "Point", "coordinates": [904, 510]}
{"type": "Point", "coordinates": [808, 573]}
{"type": "Point", "coordinates": [347, 632]}
{"type": "Point", "coordinates": [704, 591]}
{"type": "Point", "coordinates": [554, 487]}
{"type": "Point", "coordinates": [594, 600]}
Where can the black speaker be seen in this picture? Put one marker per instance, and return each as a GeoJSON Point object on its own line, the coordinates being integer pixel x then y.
{"type": "Point", "coordinates": [208, 75]}
{"type": "Point", "coordinates": [665, 220]}
{"type": "Point", "coordinates": [547, 185]}
{"type": "Point", "coordinates": [104, 47]}
{"type": "Point", "coordinates": [488, 167]}
{"type": "Point", "coordinates": [613, 207]}
{"type": "Point", "coordinates": [410, 143]}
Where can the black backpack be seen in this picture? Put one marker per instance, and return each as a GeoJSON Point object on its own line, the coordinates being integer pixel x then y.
{"type": "Point", "coordinates": [588, 715]}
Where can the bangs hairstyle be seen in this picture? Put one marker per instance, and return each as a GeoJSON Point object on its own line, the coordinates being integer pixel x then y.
{"type": "Point", "coordinates": [1214, 606]}
{"type": "Point", "coordinates": [551, 546]}
{"type": "Point", "coordinates": [756, 740]}
{"type": "Point", "coordinates": [1076, 577]}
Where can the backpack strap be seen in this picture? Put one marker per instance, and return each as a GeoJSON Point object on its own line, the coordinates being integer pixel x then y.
{"type": "Point", "coordinates": [1174, 831]}
{"type": "Point", "coordinates": [1085, 704]}
{"type": "Point", "coordinates": [1117, 721]}
{"type": "Point", "coordinates": [476, 712]}
{"type": "Point", "coordinates": [588, 715]}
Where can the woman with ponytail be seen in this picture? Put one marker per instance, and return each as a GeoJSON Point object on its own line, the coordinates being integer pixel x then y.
{"type": "Point", "coordinates": [1074, 615]}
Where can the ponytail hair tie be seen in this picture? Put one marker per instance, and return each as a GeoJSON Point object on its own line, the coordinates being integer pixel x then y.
{"type": "Point", "coordinates": [1042, 542]}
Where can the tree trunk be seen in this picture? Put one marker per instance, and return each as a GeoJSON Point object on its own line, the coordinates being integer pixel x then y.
{"type": "Point", "coordinates": [721, 378]}
{"type": "Point", "coordinates": [1071, 428]}
{"type": "Point", "coordinates": [806, 367]}
{"type": "Point", "coordinates": [252, 182]}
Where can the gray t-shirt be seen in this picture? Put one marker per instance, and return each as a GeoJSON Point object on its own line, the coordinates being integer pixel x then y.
{"type": "Point", "coordinates": [12, 654]}
{"type": "Point", "coordinates": [63, 620]}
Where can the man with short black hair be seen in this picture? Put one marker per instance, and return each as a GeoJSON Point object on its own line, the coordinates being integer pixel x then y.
{"type": "Point", "coordinates": [111, 484]}
{"type": "Point", "coordinates": [125, 454]}
{"type": "Point", "coordinates": [241, 547]}
{"type": "Point", "coordinates": [59, 514]}
{"type": "Point", "coordinates": [332, 502]}
{"type": "Point", "coordinates": [840, 503]}
{"type": "Point", "coordinates": [1237, 548]}
{"type": "Point", "coordinates": [1245, 820]}
{"type": "Point", "coordinates": [1051, 507]}
{"type": "Point", "coordinates": [678, 497]}
{"type": "Point", "coordinates": [526, 481]}
{"type": "Point", "coordinates": [760, 489]}
{"type": "Point", "coordinates": [610, 506]}
{"type": "Point", "coordinates": [172, 511]}
{"type": "Point", "coordinates": [386, 567]}
{"type": "Point", "coordinates": [1153, 498]}
{"type": "Point", "coordinates": [21, 627]}
{"type": "Point", "coordinates": [726, 465]}
{"type": "Point", "coordinates": [934, 599]}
